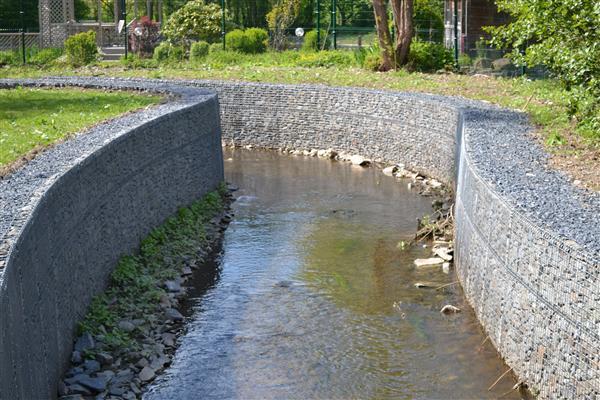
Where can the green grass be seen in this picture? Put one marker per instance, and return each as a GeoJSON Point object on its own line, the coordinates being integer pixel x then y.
{"type": "Point", "coordinates": [31, 118]}
{"type": "Point", "coordinates": [136, 284]}
{"type": "Point", "coordinates": [545, 100]}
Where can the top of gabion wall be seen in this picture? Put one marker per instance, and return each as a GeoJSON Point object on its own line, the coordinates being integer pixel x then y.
{"type": "Point", "coordinates": [20, 190]}
{"type": "Point", "coordinates": [499, 144]}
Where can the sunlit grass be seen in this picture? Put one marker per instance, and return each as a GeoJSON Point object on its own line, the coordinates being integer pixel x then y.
{"type": "Point", "coordinates": [31, 118]}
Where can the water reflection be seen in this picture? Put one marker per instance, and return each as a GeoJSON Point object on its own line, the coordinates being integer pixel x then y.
{"type": "Point", "coordinates": [315, 300]}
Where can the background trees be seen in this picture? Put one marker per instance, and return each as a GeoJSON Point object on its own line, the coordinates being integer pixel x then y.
{"type": "Point", "coordinates": [564, 36]}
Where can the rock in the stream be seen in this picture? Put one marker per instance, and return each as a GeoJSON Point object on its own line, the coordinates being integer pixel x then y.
{"type": "Point", "coordinates": [359, 160]}
{"type": "Point", "coordinates": [71, 397]}
{"type": "Point", "coordinates": [446, 267]}
{"type": "Point", "coordinates": [173, 315]}
{"type": "Point", "coordinates": [426, 262]}
{"type": "Point", "coordinates": [424, 285]}
{"type": "Point", "coordinates": [147, 374]}
{"type": "Point", "coordinates": [443, 252]}
{"type": "Point", "coordinates": [389, 171]}
{"type": "Point", "coordinates": [449, 309]}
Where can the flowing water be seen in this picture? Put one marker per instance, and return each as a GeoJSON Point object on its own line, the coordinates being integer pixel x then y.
{"type": "Point", "coordinates": [312, 298]}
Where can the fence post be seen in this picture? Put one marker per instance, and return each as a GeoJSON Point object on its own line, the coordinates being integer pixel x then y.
{"type": "Point", "coordinates": [22, 15]}
{"type": "Point", "coordinates": [318, 25]}
{"type": "Point", "coordinates": [333, 24]}
{"type": "Point", "coordinates": [223, 22]}
{"type": "Point", "coordinates": [456, 32]}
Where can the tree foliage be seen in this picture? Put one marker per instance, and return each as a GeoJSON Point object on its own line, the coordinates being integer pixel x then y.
{"type": "Point", "coordinates": [564, 36]}
{"type": "Point", "coordinates": [280, 18]}
{"type": "Point", "coordinates": [195, 21]}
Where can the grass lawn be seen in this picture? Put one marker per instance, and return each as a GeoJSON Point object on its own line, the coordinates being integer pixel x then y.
{"type": "Point", "coordinates": [32, 118]}
{"type": "Point", "coordinates": [545, 101]}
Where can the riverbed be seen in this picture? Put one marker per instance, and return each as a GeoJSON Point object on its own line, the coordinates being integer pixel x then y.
{"type": "Point", "coordinates": [312, 296]}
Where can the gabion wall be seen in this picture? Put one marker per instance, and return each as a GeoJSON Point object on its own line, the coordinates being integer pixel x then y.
{"type": "Point", "coordinates": [67, 216]}
{"type": "Point", "coordinates": [526, 238]}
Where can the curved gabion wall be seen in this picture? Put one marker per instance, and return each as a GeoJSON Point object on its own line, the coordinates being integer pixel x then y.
{"type": "Point", "coordinates": [66, 217]}
{"type": "Point", "coordinates": [526, 239]}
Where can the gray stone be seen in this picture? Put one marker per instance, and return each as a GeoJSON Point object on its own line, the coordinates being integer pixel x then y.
{"type": "Point", "coordinates": [85, 342]}
{"type": "Point", "coordinates": [146, 374]}
{"type": "Point", "coordinates": [96, 385]}
{"type": "Point", "coordinates": [173, 315]}
{"type": "Point", "coordinates": [126, 326]}
{"type": "Point", "coordinates": [428, 262]}
{"type": "Point", "coordinates": [105, 359]}
{"type": "Point", "coordinates": [76, 357]}
{"type": "Point", "coordinates": [91, 366]}
{"type": "Point", "coordinates": [173, 286]}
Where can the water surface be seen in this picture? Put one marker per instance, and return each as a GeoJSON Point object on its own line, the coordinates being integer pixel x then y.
{"type": "Point", "coordinates": [313, 299]}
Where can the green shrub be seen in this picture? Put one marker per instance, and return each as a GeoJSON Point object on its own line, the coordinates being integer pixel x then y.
{"type": "Point", "coordinates": [214, 47]}
{"type": "Point", "coordinates": [429, 57]}
{"type": "Point", "coordinates": [199, 50]}
{"type": "Point", "coordinates": [193, 22]}
{"type": "Point", "coordinates": [81, 48]}
{"type": "Point", "coordinates": [236, 40]}
{"type": "Point", "coordinates": [464, 60]}
{"type": "Point", "coordinates": [372, 61]}
{"type": "Point", "coordinates": [166, 52]}
{"type": "Point", "coordinates": [310, 41]}
{"type": "Point", "coordinates": [257, 40]}
{"type": "Point", "coordinates": [45, 56]}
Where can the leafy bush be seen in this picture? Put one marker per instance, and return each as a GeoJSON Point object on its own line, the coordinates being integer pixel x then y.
{"type": "Point", "coordinates": [45, 56]}
{"type": "Point", "coordinates": [214, 47]}
{"type": "Point", "coordinates": [143, 37]}
{"type": "Point", "coordinates": [428, 21]}
{"type": "Point", "coordinates": [250, 41]}
{"type": "Point", "coordinates": [81, 48]}
{"type": "Point", "coordinates": [199, 50]}
{"type": "Point", "coordinates": [310, 41]}
{"type": "Point", "coordinates": [372, 61]}
{"type": "Point", "coordinates": [464, 60]}
{"type": "Point", "coordinates": [193, 22]}
{"type": "Point", "coordinates": [166, 52]}
{"type": "Point", "coordinates": [429, 57]}
{"type": "Point", "coordinates": [258, 39]}
{"type": "Point", "coordinates": [564, 37]}
{"type": "Point", "coordinates": [236, 40]}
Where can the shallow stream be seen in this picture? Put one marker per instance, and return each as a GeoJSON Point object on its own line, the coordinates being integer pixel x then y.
{"type": "Point", "coordinates": [313, 299]}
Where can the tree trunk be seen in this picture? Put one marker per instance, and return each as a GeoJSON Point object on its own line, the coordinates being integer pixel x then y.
{"type": "Point", "coordinates": [403, 20]}
{"type": "Point", "coordinates": [383, 33]}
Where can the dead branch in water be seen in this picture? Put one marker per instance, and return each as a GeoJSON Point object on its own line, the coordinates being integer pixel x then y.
{"type": "Point", "coordinates": [440, 223]}
{"type": "Point", "coordinates": [499, 379]}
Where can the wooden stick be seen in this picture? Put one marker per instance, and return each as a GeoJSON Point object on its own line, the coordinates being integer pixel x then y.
{"type": "Point", "coordinates": [527, 103]}
{"type": "Point", "coordinates": [498, 380]}
{"type": "Point", "coordinates": [446, 285]}
{"type": "Point", "coordinates": [482, 343]}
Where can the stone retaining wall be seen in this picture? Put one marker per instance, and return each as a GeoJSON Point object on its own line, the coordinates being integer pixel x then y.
{"type": "Point", "coordinates": [86, 202]}
{"type": "Point", "coordinates": [526, 239]}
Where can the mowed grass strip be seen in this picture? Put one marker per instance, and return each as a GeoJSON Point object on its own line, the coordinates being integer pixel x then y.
{"type": "Point", "coordinates": [33, 118]}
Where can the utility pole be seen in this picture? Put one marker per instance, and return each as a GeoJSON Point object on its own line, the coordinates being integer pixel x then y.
{"type": "Point", "coordinates": [22, 15]}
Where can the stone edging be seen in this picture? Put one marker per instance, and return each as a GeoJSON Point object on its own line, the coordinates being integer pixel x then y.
{"type": "Point", "coordinates": [526, 240]}
{"type": "Point", "coordinates": [68, 215]}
